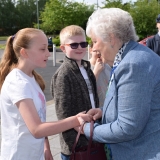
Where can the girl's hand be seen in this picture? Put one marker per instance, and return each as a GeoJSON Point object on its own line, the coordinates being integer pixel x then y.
{"type": "Point", "coordinates": [78, 128]}
{"type": "Point", "coordinates": [47, 151]}
{"type": "Point", "coordinates": [82, 117]}
{"type": "Point", "coordinates": [48, 155]}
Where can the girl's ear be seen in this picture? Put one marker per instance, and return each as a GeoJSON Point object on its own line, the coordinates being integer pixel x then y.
{"type": "Point", "coordinates": [62, 47]}
{"type": "Point", "coordinates": [23, 53]}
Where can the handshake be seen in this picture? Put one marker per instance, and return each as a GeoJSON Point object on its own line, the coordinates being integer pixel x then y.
{"type": "Point", "coordinates": [91, 115]}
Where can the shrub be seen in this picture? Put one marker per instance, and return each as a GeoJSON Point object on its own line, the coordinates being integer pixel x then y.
{"type": "Point", "coordinates": [88, 40]}
{"type": "Point", "coordinates": [56, 41]}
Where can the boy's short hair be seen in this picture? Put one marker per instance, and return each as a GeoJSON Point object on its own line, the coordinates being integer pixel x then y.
{"type": "Point", "coordinates": [69, 31]}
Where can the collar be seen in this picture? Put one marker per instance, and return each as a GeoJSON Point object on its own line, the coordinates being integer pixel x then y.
{"type": "Point", "coordinates": [84, 63]}
{"type": "Point", "coordinates": [118, 56]}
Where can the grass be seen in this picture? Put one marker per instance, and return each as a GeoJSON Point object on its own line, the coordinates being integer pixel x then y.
{"type": "Point", "coordinates": [2, 46]}
{"type": "Point", "coordinates": [3, 38]}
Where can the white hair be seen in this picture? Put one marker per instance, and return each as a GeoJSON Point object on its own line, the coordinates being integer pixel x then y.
{"type": "Point", "coordinates": [106, 21]}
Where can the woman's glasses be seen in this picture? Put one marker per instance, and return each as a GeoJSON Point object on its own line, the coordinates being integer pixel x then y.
{"type": "Point", "coordinates": [75, 45]}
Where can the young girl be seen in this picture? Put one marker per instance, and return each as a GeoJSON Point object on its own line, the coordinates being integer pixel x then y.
{"type": "Point", "coordinates": [23, 105]}
{"type": "Point", "coordinates": [102, 72]}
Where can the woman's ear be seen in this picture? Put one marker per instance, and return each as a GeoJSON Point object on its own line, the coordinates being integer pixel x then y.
{"type": "Point", "coordinates": [112, 39]}
{"type": "Point", "coordinates": [23, 53]}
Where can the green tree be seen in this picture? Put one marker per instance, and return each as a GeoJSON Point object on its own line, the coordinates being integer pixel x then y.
{"type": "Point", "coordinates": [18, 14]}
{"type": "Point", "coordinates": [117, 4]}
{"type": "Point", "coordinates": [7, 17]}
{"type": "Point", "coordinates": [60, 13]}
{"type": "Point", "coordinates": [27, 12]}
{"type": "Point", "coordinates": [144, 13]}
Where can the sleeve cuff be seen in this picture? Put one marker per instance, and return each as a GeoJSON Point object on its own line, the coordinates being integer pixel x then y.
{"type": "Point", "coordinates": [86, 130]}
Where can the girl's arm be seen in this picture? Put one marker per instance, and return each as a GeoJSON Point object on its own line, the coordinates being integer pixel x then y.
{"type": "Point", "coordinates": [39, 129]}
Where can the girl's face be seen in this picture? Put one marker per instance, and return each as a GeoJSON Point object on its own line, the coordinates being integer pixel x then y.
{"type": "Point", "coordinates": [104, 48]}
{"type": "Point", "coordinates": [38, 52]}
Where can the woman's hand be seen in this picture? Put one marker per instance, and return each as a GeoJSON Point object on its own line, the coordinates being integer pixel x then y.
{"type": "Point", "coordinates": [96, 113]}
{"type": "Point", "coordinates": [82, 117]}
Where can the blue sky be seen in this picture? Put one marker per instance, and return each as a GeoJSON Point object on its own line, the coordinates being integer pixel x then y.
{"type": "Point", "coordinates": [99, 1]}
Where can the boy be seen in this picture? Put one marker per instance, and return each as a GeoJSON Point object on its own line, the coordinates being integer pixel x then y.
{"type": "Point", "coordinates": [73, 86]}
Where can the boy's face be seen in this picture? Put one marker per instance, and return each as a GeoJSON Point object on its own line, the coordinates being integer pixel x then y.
{"type": "Point", "coordinates": [76, 54]}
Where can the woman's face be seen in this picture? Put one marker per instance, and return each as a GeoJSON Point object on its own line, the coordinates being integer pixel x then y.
{"type": "Point", "coordinates": [105, 49]}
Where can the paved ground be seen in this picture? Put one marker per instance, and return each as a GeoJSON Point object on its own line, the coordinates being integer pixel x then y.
{"type": "Point", "coordinates": [53, 140]}
{"type": "Point", "coordinates": [47, 73]}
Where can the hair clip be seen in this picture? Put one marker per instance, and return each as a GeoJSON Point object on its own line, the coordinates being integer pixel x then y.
{"type": "Point", "coordinates": [13, 37]}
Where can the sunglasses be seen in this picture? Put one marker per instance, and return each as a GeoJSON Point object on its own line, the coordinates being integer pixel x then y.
{"type": "Point", "coordinates": [75, 45]}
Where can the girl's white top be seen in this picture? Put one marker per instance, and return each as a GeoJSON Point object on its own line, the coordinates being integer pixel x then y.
{"type": "Point", "coordinates": [17, 141]}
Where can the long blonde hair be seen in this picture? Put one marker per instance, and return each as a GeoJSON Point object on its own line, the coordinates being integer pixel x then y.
{"type": "Point", "coordinates": [22, 39]}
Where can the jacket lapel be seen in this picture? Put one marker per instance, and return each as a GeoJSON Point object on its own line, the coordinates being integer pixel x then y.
{"type": "Point", "coordinates": [110, 103]}
{"type": "Point", "coordinates": [109, 97]}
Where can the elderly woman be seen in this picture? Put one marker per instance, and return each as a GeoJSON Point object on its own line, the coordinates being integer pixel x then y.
{"type": "Point", "coordinates": [130, 125]}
